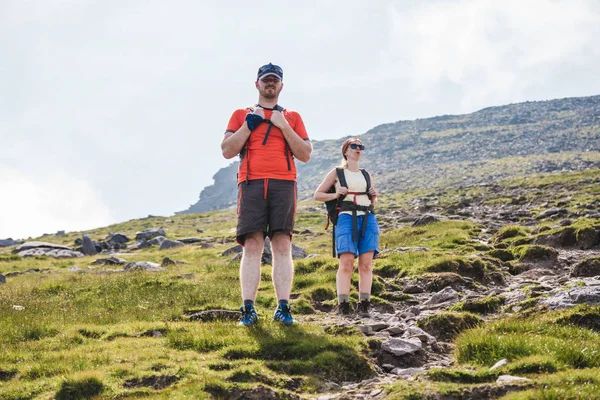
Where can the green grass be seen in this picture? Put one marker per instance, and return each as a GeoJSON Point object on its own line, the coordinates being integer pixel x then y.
{"type": "Point", "coordinates": [79, 335]}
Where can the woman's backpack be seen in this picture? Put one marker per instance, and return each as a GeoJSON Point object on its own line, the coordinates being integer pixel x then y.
{"type": "Point", "coordinates": [334, 206]}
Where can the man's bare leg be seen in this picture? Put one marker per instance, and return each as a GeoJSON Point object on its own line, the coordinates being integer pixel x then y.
{"type": "Point", "coordinates": [283, 267]}
{"type": "Point", "coordinates": [250, 265]}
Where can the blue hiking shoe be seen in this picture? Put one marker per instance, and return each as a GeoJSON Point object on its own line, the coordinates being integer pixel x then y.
{"type": "Point", "coordinates": [283, 314]}
{"type": "Point", "coordinates": [249, 316]}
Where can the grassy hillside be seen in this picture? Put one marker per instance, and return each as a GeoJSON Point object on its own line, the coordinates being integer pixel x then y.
{"type": "Point", "coordinates": [99, 332]}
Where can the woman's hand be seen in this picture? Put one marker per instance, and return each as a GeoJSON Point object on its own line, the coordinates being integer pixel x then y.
{"type": "Point", "coordinates": [373, 192]}
{"type": "Point", "coordinates": [341, 191]}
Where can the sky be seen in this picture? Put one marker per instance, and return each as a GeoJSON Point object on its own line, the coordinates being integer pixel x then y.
{"type": "Point", "coordinates": [113, 110]}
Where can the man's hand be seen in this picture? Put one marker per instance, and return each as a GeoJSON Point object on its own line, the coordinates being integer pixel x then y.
{"type": "Point", "coordinates": [260, 112]}
{"type": "Point", "coordinates": [279, 120]}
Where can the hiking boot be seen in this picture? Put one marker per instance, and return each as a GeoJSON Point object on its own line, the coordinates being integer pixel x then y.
{"type": "Point", "coordinates": [249, 316]}
{"type": "Point", "coordinates": [283, 314]}
{"type": "Point", "coordinates": [344, 308]}
{"type": "Point", "coordinates": [364, 308]}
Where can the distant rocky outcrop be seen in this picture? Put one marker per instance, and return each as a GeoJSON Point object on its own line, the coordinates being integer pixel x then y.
{"type": "Point", "coordinates": [485, 146]}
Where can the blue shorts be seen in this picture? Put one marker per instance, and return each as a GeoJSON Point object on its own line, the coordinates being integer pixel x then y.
{"type": "Point", "coordinates": [343, 235]}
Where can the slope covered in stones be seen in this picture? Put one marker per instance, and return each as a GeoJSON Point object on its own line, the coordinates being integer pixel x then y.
{"type": "Point", "coordinates": [482, 291]}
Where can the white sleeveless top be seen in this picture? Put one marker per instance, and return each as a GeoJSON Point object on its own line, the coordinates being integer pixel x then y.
{"type": "Point", "coordinates": [356, 183]}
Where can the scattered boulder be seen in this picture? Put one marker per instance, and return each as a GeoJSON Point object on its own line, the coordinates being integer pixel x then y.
{"type": "Point", "coordinates": [577, 295]}
{"type": "Point", "coordinates": [110, 261]}
{"type": "Point", "coordinates": [143, 266]}
{"type": "Point", "coordinates": [447, 294]}
{"type": "Point", "coordinates": [39, 245]}
{"type": "Point", "coordinates": [170, 244]}
{"type": "Point", "coordinates": [89, 248]}
{"type": "Point", "coordinates": [2, 279]}
{"type": "Point", "coordinates": [237, 249]}
{"type": "Point", "coordinates": [425, 220]}
{"type": "Point", "coordinates": [150, 233]}
{"type": "Point", "coordinates": [399, 346]}
{"type": "Point", "coordinates": [117, 238]}
{"type": "Point", "coordinates": [54, 253]}
{"type": "Point", "coordinates": [553, 211]}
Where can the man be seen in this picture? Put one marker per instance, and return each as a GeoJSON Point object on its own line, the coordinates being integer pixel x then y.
{"type": "Point", "coordinates": [267, 137]}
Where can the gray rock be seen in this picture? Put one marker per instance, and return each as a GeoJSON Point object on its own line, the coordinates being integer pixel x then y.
{"type": "Point", "coordinates": [2, 279]}
{"type": "Point", "coordinates": [143, 266]}
{"type": "Point", "coordinates": [117, 238]}
{"type": "Point", "coordinates": [150, 233]}
{"type": "Point", "coordinates": [37, 245]}
{"type": "Point", "coordinates": [170, 244]}
{"type": "Point", "coordinates": [553, 211]}
{"type": "Point", "coordinates": [399, 347]}
{"type": "Point", "coordinates": [89, 248]}
{"type": "Point", "coordinates": [156, 241]}
{"type": "Point", "coordinates": [407, 371]}
{"type": "Point", "coordinates": [48, 252]}
{"type": "Point", "coordinates": [60, 233]}
{"type": "Point", "coordinates": [191, 240]}
{"type": "Point", "coordinates": [511, 379]}
{"type": "Point", "coordinates": [74, 269]}
{"type": "Point", "coordinates": [425, 220]}
{"type": "Point", "coordinates": [577, 295]}
{"type": "Point", "coordinates": [237, 249]}
{"type": "Point", "coordinates": [499, 364]}
{"type": "Point", "coordinates": [416, 332]}
{"type": "Point", "coordinates": [444, 295]}
{"type": "Point", "coordinates": [110, 261]}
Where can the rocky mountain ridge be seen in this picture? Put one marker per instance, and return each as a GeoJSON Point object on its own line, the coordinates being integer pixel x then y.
{"type": "Point", "coordinates": [484, 146]}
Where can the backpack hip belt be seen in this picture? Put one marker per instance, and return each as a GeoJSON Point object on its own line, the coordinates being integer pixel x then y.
{"type": "Point", "coordinates": [347, 206]}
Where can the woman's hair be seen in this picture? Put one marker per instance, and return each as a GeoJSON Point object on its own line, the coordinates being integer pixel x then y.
{"type": "Point", "coordinates": [344, 163]}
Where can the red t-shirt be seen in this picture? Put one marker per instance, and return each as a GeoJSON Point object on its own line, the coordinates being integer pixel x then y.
{"type": "Point", "coordinates": [272, 159]}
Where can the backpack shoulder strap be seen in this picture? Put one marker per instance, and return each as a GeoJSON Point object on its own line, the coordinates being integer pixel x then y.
{"type": "Point", "coordinates": [368, 179]}
{"type": "Point", "coordinates": [341, 177]}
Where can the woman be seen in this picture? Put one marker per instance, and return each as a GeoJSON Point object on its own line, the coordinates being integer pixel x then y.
{"type": "Point", "coordinates": [351, 238]}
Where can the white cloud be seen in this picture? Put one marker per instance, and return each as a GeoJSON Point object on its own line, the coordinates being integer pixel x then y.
{"type": "Point", "coordinates": [495, 51]}
{"type": "Point", "coordinates": [35, 204]}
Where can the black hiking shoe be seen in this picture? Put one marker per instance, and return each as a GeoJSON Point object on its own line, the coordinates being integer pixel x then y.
{"type": "Point", "coordinates": [343, 308]}
{"type": "Point", "coordinates": [364, 308]}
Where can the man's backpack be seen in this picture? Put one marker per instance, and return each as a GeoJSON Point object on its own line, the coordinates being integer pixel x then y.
{"type": "Point", "coordinates": [335, 206]}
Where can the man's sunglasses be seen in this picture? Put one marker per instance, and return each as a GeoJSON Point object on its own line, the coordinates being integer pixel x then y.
{"type": "Point", "coordinates": [357, 146]}
{"type": "Point", "coordinates": [270, 68]}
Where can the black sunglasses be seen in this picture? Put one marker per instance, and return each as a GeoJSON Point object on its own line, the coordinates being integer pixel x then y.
{"type": "Point", "coordinates": [357, 146]}
{"type": "Point", "coordinates": [270, 68]}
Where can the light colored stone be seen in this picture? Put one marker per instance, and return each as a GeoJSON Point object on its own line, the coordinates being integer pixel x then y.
{"type": "Point", "coordinates": [399, 347]}
{"type": "Point", "coordinates": [511, 379]}
{"type": "Point", "coordinates": [499, 364]}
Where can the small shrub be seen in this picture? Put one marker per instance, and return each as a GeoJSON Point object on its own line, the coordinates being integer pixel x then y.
{"type": "Point", "coordinates": [509, 231]}
{"type": "Point", "coordinates": [447, 325]}
{"type": "Point", "coordinates": [79, 388]}
{"type": "Point", "coordinates": [434, 282]}
{"type": "Point", "coordinates": [501, 254]}
{"type": "Point", "coordinates": [322, 294]}
{"type": "Point", "coordinates": [484, 305]}
{"type": "Point", "coordinates": [535, 253]}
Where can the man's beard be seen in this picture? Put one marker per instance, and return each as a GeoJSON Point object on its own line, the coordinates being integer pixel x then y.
{"type": "Point", "coordinates": [269, 93]}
